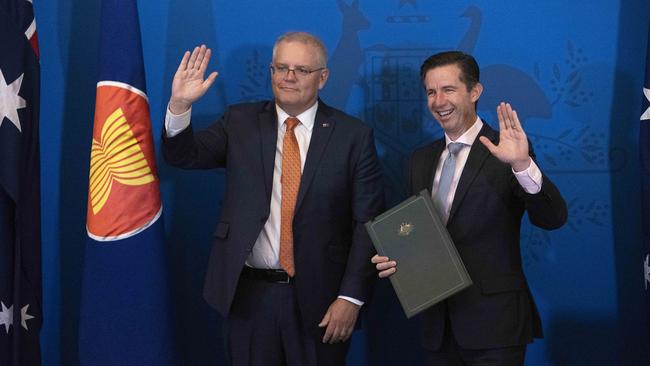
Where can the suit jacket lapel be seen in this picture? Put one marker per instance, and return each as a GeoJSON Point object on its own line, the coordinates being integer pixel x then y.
{"type": "Point", "coordinates": [475, 160]}
{"type": "Point", "coordinates": [320, 135]}
{"type": "Point", "coordinates": [268, 123]}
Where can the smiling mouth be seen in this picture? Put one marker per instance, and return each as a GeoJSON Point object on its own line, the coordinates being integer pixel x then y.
{"type": "Point", "coordinates": [445, 113]}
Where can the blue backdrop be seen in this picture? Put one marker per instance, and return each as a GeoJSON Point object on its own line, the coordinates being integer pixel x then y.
{"type": "Point", "coordinates": [573, 70]}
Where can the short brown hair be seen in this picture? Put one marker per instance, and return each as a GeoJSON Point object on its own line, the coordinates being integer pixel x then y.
{"type": "Point", "coordinates": [469, 71]}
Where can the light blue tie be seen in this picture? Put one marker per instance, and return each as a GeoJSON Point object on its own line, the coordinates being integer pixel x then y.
{"type": "Point", "coordinates": [446, 176]}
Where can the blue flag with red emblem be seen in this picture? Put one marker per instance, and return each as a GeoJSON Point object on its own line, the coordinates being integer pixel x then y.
{"type": "Point", "coordinates": [125, 311]}
{"type": "Point", "coordinates": [20, 214]}
{"type": "Point", "coordinates": [644, 146]}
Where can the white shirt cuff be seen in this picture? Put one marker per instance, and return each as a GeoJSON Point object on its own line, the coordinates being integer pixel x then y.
{"type": "Point", "coordinates": [530, 178]}
{"type": "Point", "coordinates": [352, 300]}
{"type": "Point", "coordinates": [176, 123]}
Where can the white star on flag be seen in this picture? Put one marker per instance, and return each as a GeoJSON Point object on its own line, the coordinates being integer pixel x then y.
{"type": "Point", "coordinates": [646, 114]}
{"type": "Point", "coordinates": [10, 101]}
{"type": "Point", "coordinates": [6, 316]}
{"type": "Point", "coordinates": [24, 316]}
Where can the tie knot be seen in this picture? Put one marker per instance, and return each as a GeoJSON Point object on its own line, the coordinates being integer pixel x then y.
{"type": "Point", "coordinates": [455, 147]}
{"type": "Point", "coordinates": [291, 122]}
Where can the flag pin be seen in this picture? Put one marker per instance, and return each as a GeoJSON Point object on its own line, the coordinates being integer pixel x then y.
{"type": "Point", "coordinates": [326, 124]}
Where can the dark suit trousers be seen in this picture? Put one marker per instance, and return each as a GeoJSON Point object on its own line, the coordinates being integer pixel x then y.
{"type": "Point", "coordinates": [451, 354]}
{"type": "Point", "coordinates": [264, 328]}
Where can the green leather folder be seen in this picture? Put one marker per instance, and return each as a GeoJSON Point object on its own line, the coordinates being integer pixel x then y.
{"type": "Point", "coordinates": [429, 268]}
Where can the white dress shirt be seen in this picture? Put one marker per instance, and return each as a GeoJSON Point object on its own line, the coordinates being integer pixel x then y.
{"type": "Point", "coordinates": [266, 251]}
{"type": "Point", "coordinates": [530, 179]}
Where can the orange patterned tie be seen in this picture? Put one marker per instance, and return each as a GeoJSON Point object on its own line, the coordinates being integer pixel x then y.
{"type": "Point", "coordinates": [290, 183]}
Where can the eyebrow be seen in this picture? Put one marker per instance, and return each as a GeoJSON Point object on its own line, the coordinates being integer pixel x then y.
{"type": "Point", "coordinates": [283, 64]}
{"type": "Point", "coordinates": [442, 88]}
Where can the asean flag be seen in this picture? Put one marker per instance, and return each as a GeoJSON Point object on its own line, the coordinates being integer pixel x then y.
{"type": "Point", "coordinates": [125, 317]}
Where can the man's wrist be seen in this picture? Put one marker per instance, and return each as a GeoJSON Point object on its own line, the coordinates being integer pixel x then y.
{"type": "Point", "coordinates": [352, 300]}
{"type": "Point", "coordinates": [519, 166]}
{"type": "Point", "coordinates": [178, 107]}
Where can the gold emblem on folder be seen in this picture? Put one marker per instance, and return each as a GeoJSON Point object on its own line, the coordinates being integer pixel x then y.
{"type": "Point", "coordinates": [405, 229]}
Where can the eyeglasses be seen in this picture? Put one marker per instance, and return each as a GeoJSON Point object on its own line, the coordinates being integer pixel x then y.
{"type": "Point", "coordinates": [298, 71]}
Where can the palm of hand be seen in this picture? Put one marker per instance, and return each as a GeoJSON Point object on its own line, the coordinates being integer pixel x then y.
{"type": "Point", "coordinates": [188, 85]}
{"type": "Point", "coordinates": [513, 145]}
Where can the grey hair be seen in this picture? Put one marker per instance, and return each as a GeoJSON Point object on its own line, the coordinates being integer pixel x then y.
{"type": "Point", "coordinates": [305, 38]}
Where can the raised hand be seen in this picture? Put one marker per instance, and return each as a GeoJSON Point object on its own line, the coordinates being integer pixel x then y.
{"type": "Point", "coordinates": [189, 84]}
{"type": "Point", "coordinates": [513, 144]}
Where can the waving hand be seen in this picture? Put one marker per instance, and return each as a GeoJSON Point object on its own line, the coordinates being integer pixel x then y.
{"type": "Point", "coordinates": [513, 144]}
{"type": "Point", "coordinates": [189, 84]}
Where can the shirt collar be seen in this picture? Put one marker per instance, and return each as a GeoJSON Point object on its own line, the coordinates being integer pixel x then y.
{"type": "Point", "coordinates": [306, 118]}
{"type": "Point", "coordinates": [469, 136]}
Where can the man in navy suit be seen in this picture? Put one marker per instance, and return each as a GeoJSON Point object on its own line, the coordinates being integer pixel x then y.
{"type": "Point", "coordinates": [289, 269]}
{"type": "Point", "coordinates": [491, 181]}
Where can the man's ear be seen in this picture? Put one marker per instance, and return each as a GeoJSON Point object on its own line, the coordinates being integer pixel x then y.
{"type": "Point", "coordinates": [476, 92]}
{"type": "Point", "coordinates": [324, 74]}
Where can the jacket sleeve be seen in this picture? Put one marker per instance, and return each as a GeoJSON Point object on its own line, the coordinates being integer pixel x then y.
{"type": "Point", "coordinates": [204, 149]}
{"type": "Point", "coordinates": [367, 202]}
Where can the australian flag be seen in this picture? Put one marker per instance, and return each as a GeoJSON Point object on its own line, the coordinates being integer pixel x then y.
{"type": "Point", "coordinates": [21, 313]}
{"type": "Point", "coordinates": [644, 145]}
{"type": "Point", "coordinates": [125, 304]}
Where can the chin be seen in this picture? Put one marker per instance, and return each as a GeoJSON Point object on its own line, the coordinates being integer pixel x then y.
{"type": "Point", "coordinates": [284, 103]}
{"type": "Point", "coordinates": [286, 99]}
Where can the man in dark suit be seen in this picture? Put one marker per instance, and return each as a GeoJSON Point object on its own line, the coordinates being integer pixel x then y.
{"type": "Point", "coordinates": [482, 182]}
{"type": "Point", "coordinates": [290, 264]}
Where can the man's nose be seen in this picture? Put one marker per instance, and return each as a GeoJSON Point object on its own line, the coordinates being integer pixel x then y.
{"type": "Point", "coordinates": [439, 99]}
{"type": "Point", "coordinates": [290, 75]}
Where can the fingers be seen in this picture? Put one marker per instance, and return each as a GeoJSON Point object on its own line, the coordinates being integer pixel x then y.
{"type": "Point", "coordinates": [517, 124]}
{"type": "Point", "coordinates": [337, 332]}
{"type": "Point", "coordinates": [325, 320]}
{"type": "Point", "coordinates": [384, 265]}
{"type": "Point", "coordinates": [509, 122]}
{"type": "Point", "coordinates": [341, 334]}
{"type": "Point", "coordinates": [208, 82]}
{"type": "Point", "coordinates": [331, 335]}
{"type": "Point", "coordinates": [378, 259]}
{"type": "Point", "coordinates": [507, 116]}
{"type": "Point", "coordinates": [501, 116]}
{"type": "Point", "coordinates": [194, 56]}
{"type": "Point", "coordinates": [490, 146]}
{"type": "Point", "coordinates": [329, 331]}
{"type": "Point", "coordinates": [387, 273]}
{"type": "Point", "coordinates": [193, 66]}
{"type": "Point", "coordinates": [504, 111]}
{"type": "Point", "coordinates": [339, 320]}
{"type": "Point", "coordinates": [183, 65]}
{"type": "Point", "coordinates": [198, 59]}
{"type": "Point", "coordinates": [204, 59]}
